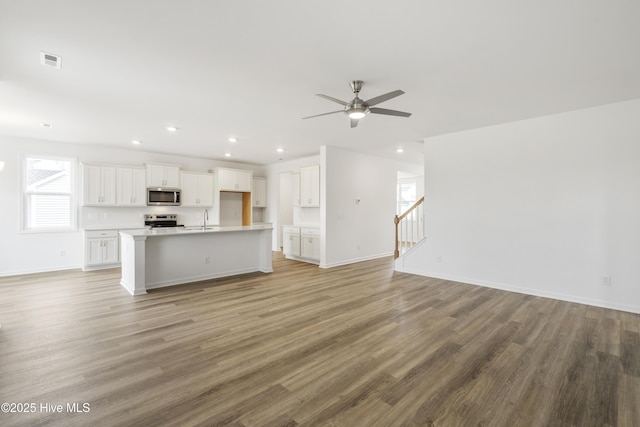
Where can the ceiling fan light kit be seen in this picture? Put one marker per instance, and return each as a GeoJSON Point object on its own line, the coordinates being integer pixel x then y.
{"type": "Point", "coordinates": [357, 108]}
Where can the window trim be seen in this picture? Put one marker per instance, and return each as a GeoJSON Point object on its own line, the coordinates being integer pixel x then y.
{"type": "Point", "coordinates": [24, 195]}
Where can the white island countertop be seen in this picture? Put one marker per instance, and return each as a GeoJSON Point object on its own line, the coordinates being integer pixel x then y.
{"type": "Point", "coordinates": [195, 229]}
{"type": "Point", "coordinates": [171, 256]}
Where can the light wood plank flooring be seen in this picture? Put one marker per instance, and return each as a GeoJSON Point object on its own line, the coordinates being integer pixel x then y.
{"type": "Point", "coordinates": [358, 345]}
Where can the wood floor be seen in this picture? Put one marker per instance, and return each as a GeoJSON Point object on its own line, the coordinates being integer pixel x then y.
{"type": "Point", "coordinates": [358, 345]}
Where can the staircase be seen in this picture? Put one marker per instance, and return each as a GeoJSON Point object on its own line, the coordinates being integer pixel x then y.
{"type": "Point", "coordinates": [409, 228]}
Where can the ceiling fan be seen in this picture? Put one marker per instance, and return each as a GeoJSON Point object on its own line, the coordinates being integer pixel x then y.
{"type": "Point", "coordinates": [357, 108]}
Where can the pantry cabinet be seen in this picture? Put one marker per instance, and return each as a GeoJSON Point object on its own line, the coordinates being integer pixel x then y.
{"type": "Point", "coordinates": [131, 187]}
{"type": "Point", "coordinates": [310, 186]}
{"type": "Point", "coordinates": [197, 189]}
{"type": "Point", "coordinates": [98, 185]}
{"type": "Point", "coordinates": [295, 189]}
{"type": "Point", "coordinates": [163, 175]}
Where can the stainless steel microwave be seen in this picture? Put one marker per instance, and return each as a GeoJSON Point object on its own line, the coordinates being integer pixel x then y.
{"type": "Point", "coordinates": [158, 196]}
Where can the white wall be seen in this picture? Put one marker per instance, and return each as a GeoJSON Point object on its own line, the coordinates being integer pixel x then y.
{"type": "Point", "coordinates": [355, 231]}
{"type": "Point", "coordinates": [34, 252]}
{"type": "Point", "coordinates": [548, 206]}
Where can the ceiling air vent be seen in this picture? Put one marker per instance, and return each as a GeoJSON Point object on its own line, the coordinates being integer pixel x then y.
{"type": "Point", "coordinates": [50, 60]}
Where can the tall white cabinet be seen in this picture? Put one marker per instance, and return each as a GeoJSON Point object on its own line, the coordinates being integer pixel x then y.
{"type": "Point", "coordinates": [295, 189]}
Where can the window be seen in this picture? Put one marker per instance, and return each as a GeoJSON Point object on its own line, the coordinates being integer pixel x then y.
{"type": "Point", "coordinates": [407, 196]}
{"type": "Point", "coordinates": [48, 194]}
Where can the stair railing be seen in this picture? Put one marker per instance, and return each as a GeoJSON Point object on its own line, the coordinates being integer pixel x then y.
{"type": "Point", "coordinates": [409, 228]}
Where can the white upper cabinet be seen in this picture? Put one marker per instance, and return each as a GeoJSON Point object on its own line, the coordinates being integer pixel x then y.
{"type": "Point", "coordinates": [259, 193]}
{"type": "Point", "coordinates": [131, 189]}
{"type": "Point", "coordinates": [98, 185]}
{"type": "Point", "coordinates": [234, 180]}
{"type": "Point", "coordinates": [160, 175]}
{"type": "Point", "coordinates": [197, 189]}
{"type": "Point", "coordinates": [310, 186]}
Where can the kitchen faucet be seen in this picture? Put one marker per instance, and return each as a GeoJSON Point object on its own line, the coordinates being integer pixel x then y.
{"type": "Point", "coordinates": [205, 217]}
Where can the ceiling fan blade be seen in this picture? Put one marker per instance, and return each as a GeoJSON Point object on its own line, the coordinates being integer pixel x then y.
{"type": "Point", "coordinates": [323, 114]}
{"type": "Point", "coordinates": [378, 99]}
{"type": "Point", "coordinates": [332, 99]}
{"type": "Point", "coordinates": [354, 122]}
{"type": "Point", "coordinates": [387, 112]}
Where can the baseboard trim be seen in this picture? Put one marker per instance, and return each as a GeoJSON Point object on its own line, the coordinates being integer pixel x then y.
{"type": "Point", "coordinates": [529, 291]}
{"type": "Point", "coordinates": [355, 260]}
{"type": "Point", "coordinates": [38, 270]}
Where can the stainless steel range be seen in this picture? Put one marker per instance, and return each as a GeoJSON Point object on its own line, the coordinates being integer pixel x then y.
{"type": "Point", "coordinates": [164, 220]}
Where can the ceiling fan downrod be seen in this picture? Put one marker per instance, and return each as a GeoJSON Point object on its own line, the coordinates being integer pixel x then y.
{"type": "Point", "coordinates": [356, 85]}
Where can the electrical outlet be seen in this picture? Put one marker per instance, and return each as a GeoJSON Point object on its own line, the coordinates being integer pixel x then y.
{"type": "Point", "coordinates": [62, 252]}
{"type": "Point", "coordinates": [207, 260]}
{"type": "Point", "coordinates": [439, 258]}
{"type": "Point", "coordinates": [606, 280]}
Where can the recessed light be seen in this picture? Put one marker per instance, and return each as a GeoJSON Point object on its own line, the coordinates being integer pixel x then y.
{"type": "Point", "coordinates": [232, 139]}
{"type": "Point", "coordinates": [280, 150]}
{"type": "Point", "coordinates": [46, 125]}
{"type": "Point", "coordinates": [227, 154]}
{"type": "Point", "coordinates": [172, 128]}
{"type": "Point", "coordinates": [136, 142]}
{"type": "Point", "coordinates": [400, 150]}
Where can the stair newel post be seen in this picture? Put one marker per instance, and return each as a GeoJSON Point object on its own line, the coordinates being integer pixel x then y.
{"type": "Point", "coordinates": [396, 252]}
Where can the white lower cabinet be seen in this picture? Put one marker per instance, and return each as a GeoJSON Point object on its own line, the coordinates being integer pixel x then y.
{"type": "Point", "coordinates": [291, 241]}
{"type": "Point", "coordinates": [301, 243]}
{"type": "Point", "coordinates": [101, 248]}
{"type": "Point", "coordinates": [310, 243]}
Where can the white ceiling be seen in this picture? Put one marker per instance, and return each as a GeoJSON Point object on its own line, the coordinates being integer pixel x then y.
{"type": "Point", "coordinates": [250, 69]}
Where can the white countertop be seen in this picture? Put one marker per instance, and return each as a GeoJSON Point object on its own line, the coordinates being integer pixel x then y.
{"type": "Point", "coordinates": [173, 231]}
{"type": "Point", "coordinates": [116, 227]}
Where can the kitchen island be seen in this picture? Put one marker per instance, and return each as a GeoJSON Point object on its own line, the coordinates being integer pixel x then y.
{"type": "Point", "coordinates": [171, 256]}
